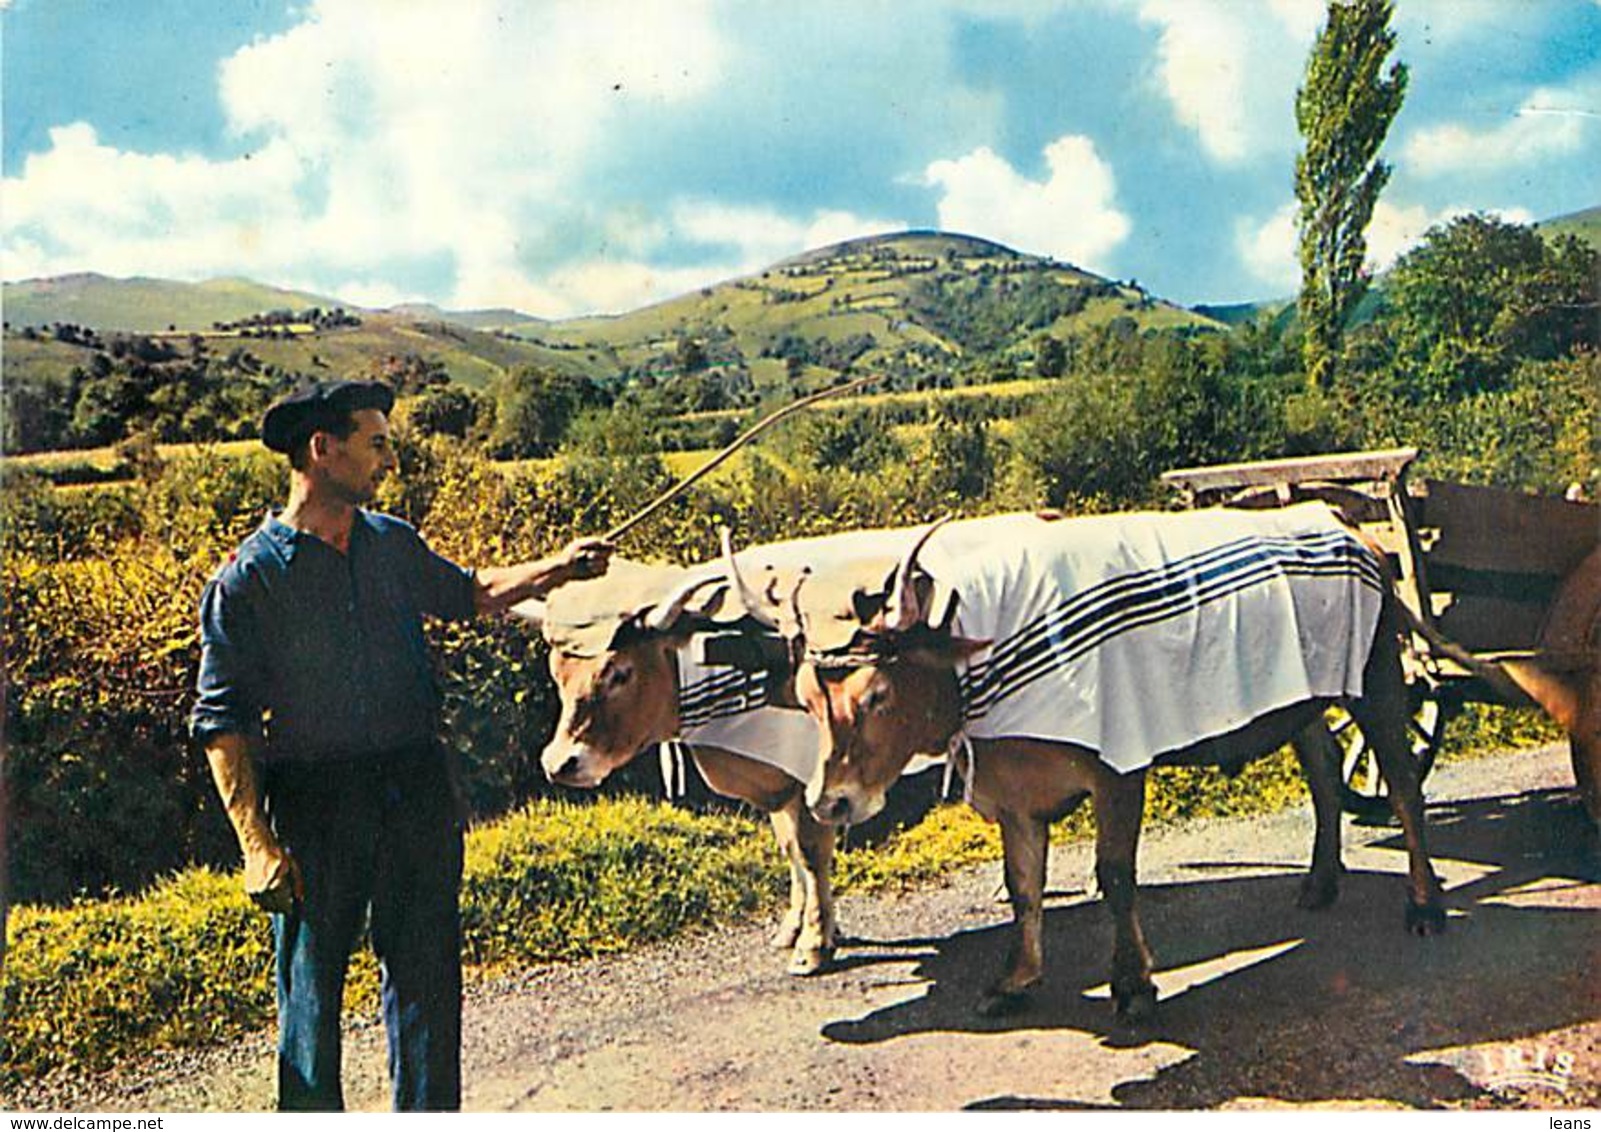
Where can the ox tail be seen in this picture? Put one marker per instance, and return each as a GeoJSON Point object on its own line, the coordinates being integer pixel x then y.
{"type": "Point", "coordinates": [1492, 673]}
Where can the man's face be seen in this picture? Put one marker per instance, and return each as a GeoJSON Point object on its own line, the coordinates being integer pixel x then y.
{"type": "Point", "coordinates": [353, 468]}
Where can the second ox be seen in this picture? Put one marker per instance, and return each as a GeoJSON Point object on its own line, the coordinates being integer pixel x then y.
{"type": "Point", "coordinates": [1059, 659]}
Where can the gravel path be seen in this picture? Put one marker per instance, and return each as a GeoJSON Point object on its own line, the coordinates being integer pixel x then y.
{"type": "Point", "coordinates": [1263, 1005]}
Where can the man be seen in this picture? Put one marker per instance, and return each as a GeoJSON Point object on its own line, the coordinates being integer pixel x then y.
{"type": "Point", "coordinates": [318, 712]}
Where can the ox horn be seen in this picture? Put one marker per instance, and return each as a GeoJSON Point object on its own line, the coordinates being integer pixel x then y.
{"type": "Point", "coordinates": [901, 612]}
{"type": "Point", "coordinates": [530, 612]}
{"type": "Point", "coordinates": [794, 600]}
{"type": "Point", "coordinates": [666, 613]}
{"type": "Point", "coordinates": [749, 599]}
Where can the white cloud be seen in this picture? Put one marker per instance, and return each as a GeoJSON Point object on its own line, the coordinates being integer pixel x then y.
{"type": "Point", "coordinates": [1223, 66]}
{"type": "Point", "coordinates": [436, 134]}
{"type": "Point", "coordinates": [1548, 123]}
{"type": "Point", "coordinates": [428, 133]}
{"type": "Point", "coordinates": [1071, 215]}
{"type": "Point", "coordinates": [83, 205]}
{"type": "Point", "coordinates": [1269, 248]}
{"type": "Point", "coordinates": [366, 292]}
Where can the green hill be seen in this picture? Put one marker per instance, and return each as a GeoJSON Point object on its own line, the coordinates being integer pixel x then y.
{"type": "Point", "coordinates": [1241, 314]}
{"type": "Point", "coordinates": [1585, 224]}
{"type": "Point", "coordinates": [914, 307]}
{"type": "Point", "coordinates": [911, 307]}
{"type": "Point", "coordinates": [146, 306]}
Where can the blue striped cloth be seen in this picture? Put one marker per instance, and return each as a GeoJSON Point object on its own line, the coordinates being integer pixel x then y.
{"type": "Point", "coordinates": [1137, 634]}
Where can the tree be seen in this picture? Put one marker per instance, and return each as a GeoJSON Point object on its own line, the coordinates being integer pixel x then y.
{"type": "Point", "coordinates": [447, 410]}
{"type": "Point", "coordinates": [1050, 356]}
{"type": "Point", "coordinates": [1343, 110]}
{"type": "Point", "coordinates": [1480, 295]}
{"type": "Point", "coordinates": [534, 409]}
{"type": "Point", "coordinates": [690, 356]}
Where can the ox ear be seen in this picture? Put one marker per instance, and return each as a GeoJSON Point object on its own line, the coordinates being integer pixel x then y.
{"type": "Point", "coordinates": [530, 612]}
{"type": "Point", "coordinates": [944, 652]}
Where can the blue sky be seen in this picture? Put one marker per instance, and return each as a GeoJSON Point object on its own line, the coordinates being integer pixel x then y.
{"type": "Point", "coordinates": [590, 156]}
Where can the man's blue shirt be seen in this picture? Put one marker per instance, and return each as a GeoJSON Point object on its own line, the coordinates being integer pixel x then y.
{"type": "Point", "coordinates": [321, 654]}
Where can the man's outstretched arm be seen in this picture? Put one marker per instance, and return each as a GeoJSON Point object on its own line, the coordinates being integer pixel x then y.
{"type": "Point", "coordinates": [498, 588]}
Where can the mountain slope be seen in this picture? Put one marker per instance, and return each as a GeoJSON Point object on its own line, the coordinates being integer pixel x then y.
{"type": "Point", "coordinates": [1585, 224]}
{"type": "Point", "coordinates": [146, 305]}
{"type": "Point", "coordinates": [913, 307]}
{"type": "Point", "coordinates": [909, 306]}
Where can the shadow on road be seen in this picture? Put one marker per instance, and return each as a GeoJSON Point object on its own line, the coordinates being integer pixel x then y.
{"type": "Point", "coordinates": [1312, 1006]}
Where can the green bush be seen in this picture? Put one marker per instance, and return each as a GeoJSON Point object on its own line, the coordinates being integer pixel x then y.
{"type": "Point", "coordinates": [88, 985]}
{"type": "Point", "coordinates": [559, 881]}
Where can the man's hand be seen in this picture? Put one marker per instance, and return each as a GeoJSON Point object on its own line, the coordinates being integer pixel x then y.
{"type": "Point", "coordinates": [272, 878]}
{"type": "Point", "coordinates": [500, 587]}
{"type": "Point", "coordinates": [585, 558]}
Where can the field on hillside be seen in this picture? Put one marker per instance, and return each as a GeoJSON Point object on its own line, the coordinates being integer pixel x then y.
{"type": "Point", "coordinates": [107, 464]}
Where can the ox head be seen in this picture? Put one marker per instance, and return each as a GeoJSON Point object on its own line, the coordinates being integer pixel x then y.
{"type": "Point", "coordinates": [875, 665]}
{"type": "Point", "coordinates": [612, 641]}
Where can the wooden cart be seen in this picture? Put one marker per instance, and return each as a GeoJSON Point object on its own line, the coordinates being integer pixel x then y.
{"type": "Point", "coordinates": [1479, 564]}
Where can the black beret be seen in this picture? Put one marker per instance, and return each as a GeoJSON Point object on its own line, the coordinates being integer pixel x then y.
{"type": "Point", "coordinates": [323, 405]}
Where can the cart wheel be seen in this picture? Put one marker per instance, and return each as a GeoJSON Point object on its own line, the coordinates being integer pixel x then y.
{"type": "Point", "coordinates": [1362, 790]}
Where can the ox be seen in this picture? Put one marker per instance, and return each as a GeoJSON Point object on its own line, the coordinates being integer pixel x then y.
{"type": "Point", "coordinates": [887, 672]}
{"type": "Point", "coordinates": [615, 645]}
{"type": "Point", "coordinates": [627, 681]}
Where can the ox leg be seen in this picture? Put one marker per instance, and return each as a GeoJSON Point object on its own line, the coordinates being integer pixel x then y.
{"type": "Point", "coordinates": [1119, 809]}
{"type": "Point", "coordinates": [1025, 841]}
{"type": "Point", "coordinates": [1382, 712]}
{"type": "Point", "coordinates": [1585, 751]}
{"type": "Point", "coordinates": [808, 924]}
{"type": "Point", "coordinates": [814, 950]}
{"type": "Point", "coordinates": [1319, 756]}
{"type": "Point", "coordinates": [785, 824]}
{"type": "Point", "coordinates": [1584, 747]}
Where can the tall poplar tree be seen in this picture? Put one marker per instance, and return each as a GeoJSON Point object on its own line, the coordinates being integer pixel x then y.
{"type": "Point", "coordinates": [1343, 109]}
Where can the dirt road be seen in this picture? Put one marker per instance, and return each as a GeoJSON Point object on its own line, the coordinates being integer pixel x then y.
{"type": "Point", "coordinates": [1262, 1004]}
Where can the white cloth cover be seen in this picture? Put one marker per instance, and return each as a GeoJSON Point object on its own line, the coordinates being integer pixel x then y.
{"type": "Point", "coordinates": [727, 708]}
{"type": "Point", "coordinates": [1138, 634]}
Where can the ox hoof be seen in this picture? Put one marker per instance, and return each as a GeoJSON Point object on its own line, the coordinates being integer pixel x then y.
{"type": "Point", "coordinates": [1425, 920]}
{"type": "Point", "coordinates": [811, 962]}
{"type": "Point", "coordinates": [1317, 893]}
{"type": "Point", "coordinates": [1001, 1004]}
{"type": "Point", "coordinates": [1136, 1006]}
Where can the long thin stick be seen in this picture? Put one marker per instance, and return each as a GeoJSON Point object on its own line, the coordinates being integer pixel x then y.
{"type": "Point", "coordinates": [739, 442]}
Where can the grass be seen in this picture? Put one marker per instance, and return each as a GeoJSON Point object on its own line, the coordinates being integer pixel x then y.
{"type": "Point", "coordinates": [107, 458]}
